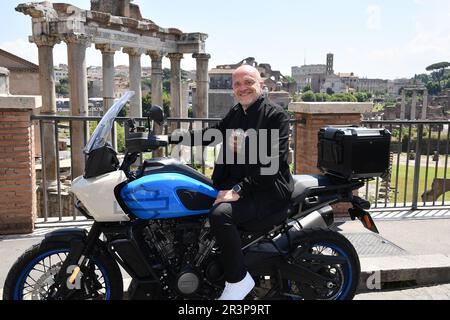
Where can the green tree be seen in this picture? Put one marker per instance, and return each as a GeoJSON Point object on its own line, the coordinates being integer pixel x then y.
{"type": "Point", "coordinates": [322, 97]}
{"type": "Point", "coordinates": [62, 88]}
{"type": "Point", "coordinates": [123, 113]}
{"type": "Point", "coordinates": [166, 86]}
{"type": "Point", "coordinates": [343, 97]}
{"type": "Point", "coordinates": [361, 96]}
{"type": "Point", "coordinates": [308, 96]}
{"type": "Point", "coordinates": [433, 88]}
{"type": "Point", "coordinates": [147, 103]}
{"type": "Point", "coordinates": [167, 104]}
{"type": "Point", "coordinates": [146, 83]}
{"type": "Point", "coordinates": [307, 88]}
{"type": "Point", "coordinates": [290, 79]}
{"type": "Point", "coordinates": [297, 98]}
{"type": "Point", "coordinates": [424, 78]}
{"type": "Point", "coordinates": [440, 66]}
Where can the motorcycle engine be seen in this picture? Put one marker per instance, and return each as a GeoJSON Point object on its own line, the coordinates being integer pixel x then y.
{"type": "Point", "coordinates": [177, 242]}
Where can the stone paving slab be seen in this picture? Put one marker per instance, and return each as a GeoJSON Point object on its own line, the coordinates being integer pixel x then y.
{"type": "Point", "coordinates": [406, 270]}
{"type": "Point", "coordinates": [437, 292]}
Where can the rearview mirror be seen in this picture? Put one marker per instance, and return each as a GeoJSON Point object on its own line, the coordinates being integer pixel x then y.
{"type": "Point", "coordinates": [156, 114]}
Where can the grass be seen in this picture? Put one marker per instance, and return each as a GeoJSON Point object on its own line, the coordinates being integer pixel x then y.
{"type": "Point", "coordinates": [406, 182]}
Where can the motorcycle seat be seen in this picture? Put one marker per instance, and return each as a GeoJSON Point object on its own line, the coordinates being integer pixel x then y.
{"type": "Point", "coordinates": [306, 181]}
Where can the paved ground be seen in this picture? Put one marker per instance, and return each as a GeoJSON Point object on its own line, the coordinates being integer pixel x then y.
{"type": "Point", "coordinates": [431, 236]}
{"type": "Point", "coordinates": [438, 292]}
{"type": "Point", "coordinates": [10, 250]}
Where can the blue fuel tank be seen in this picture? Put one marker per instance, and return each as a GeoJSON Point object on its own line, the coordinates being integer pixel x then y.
{"type": "Point", "coordinates": [166, 196]}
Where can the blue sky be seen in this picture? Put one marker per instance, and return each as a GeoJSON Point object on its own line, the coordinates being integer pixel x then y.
{"type": "Point", "coordinates": [372, 38]}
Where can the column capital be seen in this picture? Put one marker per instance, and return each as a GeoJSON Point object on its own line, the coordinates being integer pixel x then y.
{"type": "Point", "coordinates": [45, 40]}
{"type": "Point", "coordinates": [175, 56]}
{"type": "Point", "coordinates": [201, 56]}
{"type": "Point", "coordinates": [107, 48]}
{"type": "Point", "coordinates": [133, 51]}
{"type": "Point", "coordinates": [155, 55]}
{"type": "Point", "coordinates": [77, 38]}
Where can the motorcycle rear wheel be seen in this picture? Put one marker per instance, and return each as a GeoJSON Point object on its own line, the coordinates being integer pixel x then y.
{"type": "Point", "coordinates": [344, 278]}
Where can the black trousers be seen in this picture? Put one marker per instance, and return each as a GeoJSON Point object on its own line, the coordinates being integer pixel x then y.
{"type": "Point", "coordinates": [225, 219]}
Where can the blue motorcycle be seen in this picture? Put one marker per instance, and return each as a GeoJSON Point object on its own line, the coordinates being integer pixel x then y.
{"type": "Point", "coordinates": [153, 222]}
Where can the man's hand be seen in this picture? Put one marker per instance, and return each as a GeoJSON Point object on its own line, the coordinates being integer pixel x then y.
{"type": "Point", "coordinates": [226, 196]}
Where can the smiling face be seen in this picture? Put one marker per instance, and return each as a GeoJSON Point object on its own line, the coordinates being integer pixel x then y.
{"type": "Point", "coordinates": [247, 85]}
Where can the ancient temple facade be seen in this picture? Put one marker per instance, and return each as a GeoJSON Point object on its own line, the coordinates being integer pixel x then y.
{"type": "Point", "coordinates": [112, 26]}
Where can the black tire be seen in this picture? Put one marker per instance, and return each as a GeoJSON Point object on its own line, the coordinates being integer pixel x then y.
{"type": "Point", "coordinates": [337, 244]}
{"type": "Point", "coordinates": [106, 266]}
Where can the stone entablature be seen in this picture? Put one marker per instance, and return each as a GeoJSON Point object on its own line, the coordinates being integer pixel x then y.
{"type": "Point", "coordinates": [61, 19]}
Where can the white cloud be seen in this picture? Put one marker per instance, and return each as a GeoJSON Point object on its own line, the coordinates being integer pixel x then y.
{"type": "Point", "coordinates": [374, 19]}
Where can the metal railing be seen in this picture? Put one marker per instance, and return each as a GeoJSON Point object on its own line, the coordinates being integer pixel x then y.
{"type": "Point", "coordinates": [419, 160]}
{"type": "Point", "coordinates": [62, 124]}
{"type": "Point", "coordinates": [419, 176]}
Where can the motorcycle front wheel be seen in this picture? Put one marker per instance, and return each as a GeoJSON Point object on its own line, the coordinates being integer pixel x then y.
{"type": "Point", "coordinates": [34, 273]}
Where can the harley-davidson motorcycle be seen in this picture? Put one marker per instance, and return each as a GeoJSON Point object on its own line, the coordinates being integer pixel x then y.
{"type": "Point", "coordinates": [153, 222]}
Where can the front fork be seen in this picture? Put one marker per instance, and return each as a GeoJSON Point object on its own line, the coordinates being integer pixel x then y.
{"type": "Point", "coordinates": [68, 277]}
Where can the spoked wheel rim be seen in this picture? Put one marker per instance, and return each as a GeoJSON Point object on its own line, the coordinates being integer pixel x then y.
{"type": "Point", "coordinates": [39, 275]}
{"type": "Point", "coordinates": [340, 276]}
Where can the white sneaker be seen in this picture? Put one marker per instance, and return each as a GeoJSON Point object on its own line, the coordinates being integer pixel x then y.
{"type": "Point", "coordinates": [238, 290]}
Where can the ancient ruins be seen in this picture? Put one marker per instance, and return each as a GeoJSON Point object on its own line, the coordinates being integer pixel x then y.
{"type": "Point", "coordinates": [110, 25]}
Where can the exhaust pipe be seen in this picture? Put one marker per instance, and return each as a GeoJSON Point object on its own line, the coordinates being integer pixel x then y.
{"type": "Point", "coordinates": [322, 218]}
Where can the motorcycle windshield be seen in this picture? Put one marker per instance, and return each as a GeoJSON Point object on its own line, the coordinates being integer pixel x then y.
{"type": "Point", "coordinates": [104, 127]}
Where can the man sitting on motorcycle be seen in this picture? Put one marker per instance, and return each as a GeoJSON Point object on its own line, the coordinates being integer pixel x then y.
{"type": "Point", "coordinates": [248, 194]}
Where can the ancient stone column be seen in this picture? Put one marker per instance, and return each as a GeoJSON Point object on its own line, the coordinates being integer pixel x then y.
{"type": "Point", "coordinates": [78, 87]}
{"type": "Point", "coordinates": [157, 86]}
{"type": "Point", "coordinates": [175, 84]}
{"type": "Point", "coordinates": [135, 81]}
{"type": "Point", "coordinates": [184, 99]}
{"type": "Point", "coordinates": [414, 105]}
{"type": "Point", "coordinates": [45, 46]}
{"type": "Point", "coordinates": [425, 104]}
{"type": "Point", "coordinates": [403, 107]}
{"type": "Point", "coordinates": [200, 109]}
{"type": "Point", "coordinates": [157, 74]}
{"type": "Point", "coordinates": [108, 52]}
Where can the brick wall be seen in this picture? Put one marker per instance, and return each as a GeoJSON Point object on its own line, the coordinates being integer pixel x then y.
{"type": "Point", "coordinates": [17, 172]}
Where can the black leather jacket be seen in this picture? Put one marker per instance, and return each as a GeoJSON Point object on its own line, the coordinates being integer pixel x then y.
{"type": "Point", "coordinates": [261, 115]}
